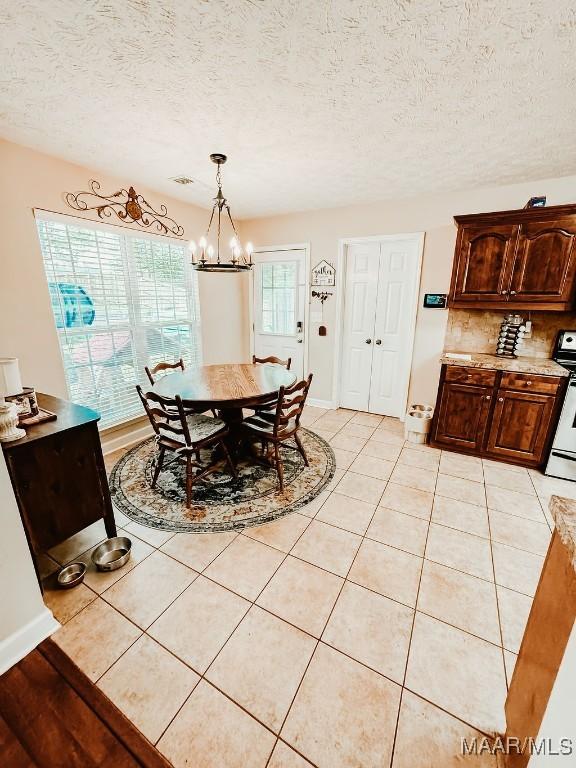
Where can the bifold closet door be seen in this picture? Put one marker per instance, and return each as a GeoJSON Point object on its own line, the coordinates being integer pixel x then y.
{"type": "Point", "coordinates": [361, 286]}
{"type": "Point", "coordinates": [393, 326]}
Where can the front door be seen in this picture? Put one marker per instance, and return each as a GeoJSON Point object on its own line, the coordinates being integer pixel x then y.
{"type": "Point", "coordinates": [279, 302]}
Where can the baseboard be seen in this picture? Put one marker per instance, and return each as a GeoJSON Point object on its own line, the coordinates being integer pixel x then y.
{"type": "Point", "coordinates": [19, 644]}
{"type": "Point", "coordinates": [329, 404]}
{"type": "Point", "coordinates": [125, 439]}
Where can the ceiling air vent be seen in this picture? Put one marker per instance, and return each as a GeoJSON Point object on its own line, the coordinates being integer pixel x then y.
{"type": "Point", "coordinates": [182, 180]}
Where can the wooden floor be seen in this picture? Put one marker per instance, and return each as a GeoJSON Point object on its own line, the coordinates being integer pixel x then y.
{"type": "Point", "coordinates": [51, 715]}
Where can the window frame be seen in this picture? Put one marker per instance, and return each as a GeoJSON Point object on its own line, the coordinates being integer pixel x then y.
{"type": "Point", "coordinates": [135, 324]}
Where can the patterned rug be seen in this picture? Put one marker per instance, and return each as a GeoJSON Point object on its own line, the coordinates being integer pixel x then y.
{"type": "Point", "coordinates": [219, 502]}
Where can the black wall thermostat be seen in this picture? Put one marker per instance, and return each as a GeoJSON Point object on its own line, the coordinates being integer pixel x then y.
{"type": "Point", "coordinates": [435, 300]}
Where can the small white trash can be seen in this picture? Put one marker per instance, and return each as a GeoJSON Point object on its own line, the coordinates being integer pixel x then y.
{"type": "Point", "coordinates": [417, 422]}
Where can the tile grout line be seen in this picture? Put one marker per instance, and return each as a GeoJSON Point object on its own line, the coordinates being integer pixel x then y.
{"type": "Point", "coordinates": [319, 640]}
{"type": "Point", "coordinates": [408, 649]}
{"type": "Point", "coordinates": [252, 604]}
{"type": "Point", "coordinates": [496, 591]}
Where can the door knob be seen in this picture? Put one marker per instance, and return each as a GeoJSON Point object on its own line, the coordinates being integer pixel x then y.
{"type": "Point", "coordinates": [368, 341]}
{"type": "Point", "coordinates": [500, 399]}
{"type": "Point", "coordinates": [503, 293]}
{"type": "Point", "coordinates": [299, 341]}
{"type": "Point", "coordinates": [488, 397]}
{"type": "Point", "coordinates": [512, 293]}
{"type": "Point", "coordinates": [378, 341]}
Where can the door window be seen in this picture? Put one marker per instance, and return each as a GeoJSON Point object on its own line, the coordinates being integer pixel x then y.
{"type": "Point", "coordinates": [279, 284]}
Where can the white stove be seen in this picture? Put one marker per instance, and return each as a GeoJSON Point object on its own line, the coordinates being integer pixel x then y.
{"type": "Point", "coordinates": [562, 459]}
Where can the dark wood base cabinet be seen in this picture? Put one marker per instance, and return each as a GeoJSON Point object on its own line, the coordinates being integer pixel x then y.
{"type": "Point", "coordinates": [497, 414]}
{"type": "Point", "coordinates": [58, 475]}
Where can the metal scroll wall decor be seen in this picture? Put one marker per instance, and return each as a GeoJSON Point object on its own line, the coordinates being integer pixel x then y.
{"type": "Point", "coordinates": [128, 206]}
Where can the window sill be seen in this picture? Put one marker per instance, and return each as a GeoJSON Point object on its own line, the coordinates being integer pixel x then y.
{"type": "Point", "coordinates": [135, 421]}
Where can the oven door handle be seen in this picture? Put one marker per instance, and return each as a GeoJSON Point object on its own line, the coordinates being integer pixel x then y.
{"type": "Point", "coordinates": [570, 455]}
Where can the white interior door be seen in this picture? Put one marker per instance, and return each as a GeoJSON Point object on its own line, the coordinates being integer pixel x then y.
{"type": "Point", "coordinates": [361, 286]}
{"type": "Point", "coordinates": [279, 304]}
{"type": "Point", "coordinates": [380, 294]}
{"type": "Point", "coordinates": [393, 330]}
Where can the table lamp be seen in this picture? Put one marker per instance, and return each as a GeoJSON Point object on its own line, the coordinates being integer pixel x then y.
{"type": "Point", "coordinates": [10, 384]}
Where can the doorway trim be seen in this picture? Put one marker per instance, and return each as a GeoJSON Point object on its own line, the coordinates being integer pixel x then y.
{"type": "Point", "coordinates": [277, 249]}
{"type": "Point", "coordinates": [343, 243]}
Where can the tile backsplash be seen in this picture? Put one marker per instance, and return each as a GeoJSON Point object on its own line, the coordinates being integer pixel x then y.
{"type": "Point", "coordinates": [477, 331]}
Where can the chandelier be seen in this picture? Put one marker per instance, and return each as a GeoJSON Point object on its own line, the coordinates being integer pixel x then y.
{"type": "Point", "coordinates": [206, 257]}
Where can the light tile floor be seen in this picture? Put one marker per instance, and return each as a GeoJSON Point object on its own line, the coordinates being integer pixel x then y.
{"type": "Point", "coordinates": [374, 628]}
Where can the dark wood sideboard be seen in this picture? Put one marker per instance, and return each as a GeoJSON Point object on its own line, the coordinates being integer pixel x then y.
{"type": "Point", "coordinates": [58, 475]}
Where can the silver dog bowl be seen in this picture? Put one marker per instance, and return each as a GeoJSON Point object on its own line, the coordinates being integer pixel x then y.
{"type": "Point", "coordinates": [112, 553]}
{"type": "Point", "coordinates": [71, 575]}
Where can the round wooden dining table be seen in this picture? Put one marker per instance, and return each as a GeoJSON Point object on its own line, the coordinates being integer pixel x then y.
{"type": "Point", "coordinates": [226, 388]}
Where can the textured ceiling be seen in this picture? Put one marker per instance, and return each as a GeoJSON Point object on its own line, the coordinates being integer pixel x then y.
{"type": "Point", "coordinates": [318, 103]}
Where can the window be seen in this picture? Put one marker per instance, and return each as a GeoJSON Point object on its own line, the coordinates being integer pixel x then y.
{"type": "Point", "coordinates": [121, 301]}
{"type": "Point", "coordinates": [279, 282]}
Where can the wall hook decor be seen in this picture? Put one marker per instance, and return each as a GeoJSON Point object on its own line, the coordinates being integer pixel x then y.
{"type": "Point", "coordinates": [321, 295]}
{"type": "Point", "coordinates": [128, 205]}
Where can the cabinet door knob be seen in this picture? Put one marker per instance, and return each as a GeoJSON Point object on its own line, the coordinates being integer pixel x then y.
{"type": "Point", "coordinates": [503, 293]}
{"type": "Point", "coordinates": [528, 383]}
{"type": "Point", "coordinates": [512, 293]}
{"type": "Point", "coordinates": [368, 341]}
{"type": "Point", "coordinates": [500, 399]}
{"type": "Point", "coordinates": [378, 341]}
{"type": "Point", "coordinates": [487, 397]}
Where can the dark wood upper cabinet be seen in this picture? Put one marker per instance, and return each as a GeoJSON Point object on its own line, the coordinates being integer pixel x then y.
{"type": "Point", "coordinates": [516, 259]}
{"type": "Point", "coordinates": [545, 262]}
{"type": "Point", "coordinates": [482, 270]}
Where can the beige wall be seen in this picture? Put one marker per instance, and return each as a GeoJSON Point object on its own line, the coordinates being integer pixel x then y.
{"type": "Point", "coordinates": [432, 215]}
{"type": "Point", "coordinates": [30, 180]}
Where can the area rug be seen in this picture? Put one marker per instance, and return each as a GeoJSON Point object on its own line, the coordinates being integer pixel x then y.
{"type": "Point", "coordinates": [219, 502]}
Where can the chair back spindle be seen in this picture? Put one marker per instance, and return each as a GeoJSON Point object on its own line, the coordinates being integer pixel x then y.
{"type": "Point", "coordinates": [162, 411]}
{"type": "Point", "coordinates": [291, 402]}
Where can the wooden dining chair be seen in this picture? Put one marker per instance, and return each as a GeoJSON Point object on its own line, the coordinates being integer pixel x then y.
{"type": "Point", "coordinates": [172, 366]}
{"type": "Point", "coordinates": [281, 425]}
{"type": "Point", "coordinates": [184, 434]}
{"type": "Point", "coordinates": [272, 359]}
{"type": "Point", "coordinates": [162, 366]}
{"type": "Point", "coordinates": [269, 407]}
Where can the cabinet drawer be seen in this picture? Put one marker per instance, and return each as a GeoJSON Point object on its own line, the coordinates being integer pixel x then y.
{"type": "Point", "coordinates": [463, 375]}
{"type": "Point", "coordinates": [526, 382]}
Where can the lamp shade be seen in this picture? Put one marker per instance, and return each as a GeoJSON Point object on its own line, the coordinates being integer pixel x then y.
{"type": "Point", "coordinates": [10, 382]}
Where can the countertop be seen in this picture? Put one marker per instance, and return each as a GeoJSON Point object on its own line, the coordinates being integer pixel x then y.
{"type": "Point", "coordinates": [518, 365]}
{"type": "Point", "coordinates": [564, 514]}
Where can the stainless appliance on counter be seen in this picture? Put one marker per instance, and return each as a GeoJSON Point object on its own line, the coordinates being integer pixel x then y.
{"type": "Point", "coordinates": [562, 460]}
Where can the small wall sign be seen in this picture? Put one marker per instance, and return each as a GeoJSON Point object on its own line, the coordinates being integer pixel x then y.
{"type": "Point", "coordinates": [435, 300]}
{"type": "Point", "coordinates": [324, 274]}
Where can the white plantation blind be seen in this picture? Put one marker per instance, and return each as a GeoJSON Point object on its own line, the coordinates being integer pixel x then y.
{"type": "Point", "coordinates": [121, 301]}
